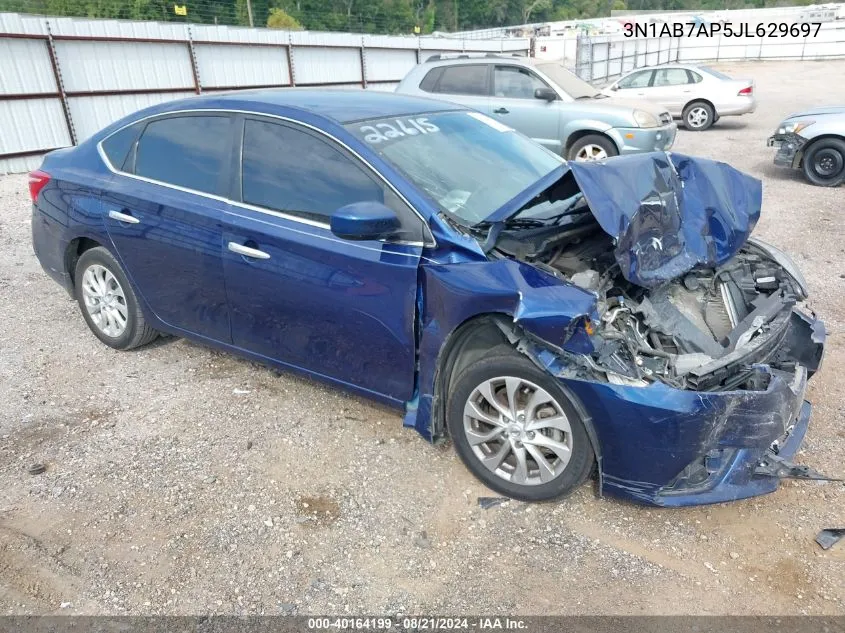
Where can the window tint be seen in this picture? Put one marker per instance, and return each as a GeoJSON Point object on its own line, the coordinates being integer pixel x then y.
{"type": "Point", "coordinates": [670, 77]}
{"type": "Point", "coordinates": [430, 80]}
{"type": "Point", "coordinates": [636, 80]}
{"type": "Point", "coordinates": [119, 144]}
{"type": "Point", "coordinates": [190, 152]}
{"type": "Point", "coordinates": [463, 80]}
{"type": "Point", "coordinates": [515, 82]}
{"type": "Point", "coordinates": [294, 172]}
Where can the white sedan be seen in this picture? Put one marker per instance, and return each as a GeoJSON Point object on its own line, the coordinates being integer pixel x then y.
{"type": "Point", "coordinates": [698, 95]}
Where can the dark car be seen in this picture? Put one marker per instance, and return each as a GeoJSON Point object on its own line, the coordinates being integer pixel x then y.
{"type": "Point", "coordinates": [552, 319]}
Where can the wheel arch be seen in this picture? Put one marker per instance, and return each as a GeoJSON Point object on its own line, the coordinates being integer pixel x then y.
{"type": "Point", "coordinates": [798, 163]}
{"type": "Point", "coordinates": [74, 250]}
{"type": "Point", "coordinates": [470, 341]}
{"type": "Point", "coordinates": [701, 100]}
{"type": "Point", "coordinates": [577, 135]}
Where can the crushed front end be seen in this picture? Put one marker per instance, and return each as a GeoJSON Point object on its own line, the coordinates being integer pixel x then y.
{"type": "Point", "coordinates": [701, 352]}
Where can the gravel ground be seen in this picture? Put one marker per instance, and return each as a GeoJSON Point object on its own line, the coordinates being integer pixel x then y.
{"type": "Point", "coordinates": [181, 480]}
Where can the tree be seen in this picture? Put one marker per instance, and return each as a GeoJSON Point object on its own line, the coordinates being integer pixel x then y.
{"type": "Point", "coordinates": [279, 19]}
{"type": "Point", "coordinates": [534, 5]}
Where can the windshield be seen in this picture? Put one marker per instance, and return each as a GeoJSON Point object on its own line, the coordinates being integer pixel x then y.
{"type": "Point", "coordinates": [571, 85]}
{"type": "Point", "coordinates": [465, 161]}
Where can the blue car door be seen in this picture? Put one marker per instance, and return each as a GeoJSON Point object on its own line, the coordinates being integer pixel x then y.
{"type": "Point", "coordinates": [164, 213]}
{"type": "Point", "coordinates": [300, 295]}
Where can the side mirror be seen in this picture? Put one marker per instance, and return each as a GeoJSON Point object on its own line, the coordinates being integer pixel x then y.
{"type": "Point", "coordinates": [364, 221]}
{"type": "Point", "coordinates": [546, 94]}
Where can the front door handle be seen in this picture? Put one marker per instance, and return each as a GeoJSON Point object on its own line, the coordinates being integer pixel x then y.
{"type": "Point", "coordinates": [501, 111]}
{"type": "Point", "coordinates": [246, 251]}
{"type": "Point", "coordinates": [123, 217]}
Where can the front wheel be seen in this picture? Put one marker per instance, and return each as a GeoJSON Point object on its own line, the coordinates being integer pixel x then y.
{"type": "Point", "coordinates": [699, 116]}
{"type": "Point", "coordinates": [517, 431]}
{"type": "Point", "coordinates": [108, 302]}
{"type": "Point", "coordinates": [824, 162]}
{"type": "Point", "coordinates": [592, 147]}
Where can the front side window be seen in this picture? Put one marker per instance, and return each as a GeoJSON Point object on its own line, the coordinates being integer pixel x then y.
{"type": "Point", "coordinates": [189, 151]}
{"type": "Point", "coordinates": [466, 162]}
{"type": "Point", "coordinates": [671, 77]}
{"type": "Point", "coordinates": [515, 83]}
{"type": "Point", "coordinates": [294, 172]}
{"type": "Point", "coordinates": [636, 80]}
{"type": "Point", "coordinates": [463, 80]}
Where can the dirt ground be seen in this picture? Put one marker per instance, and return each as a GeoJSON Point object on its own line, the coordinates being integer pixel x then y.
{"type": "Point", "coordinates": [181, 480]}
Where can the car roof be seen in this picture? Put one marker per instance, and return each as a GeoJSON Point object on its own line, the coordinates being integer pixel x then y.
{"type": "Point", "coordinates": [462, 60]}
{"type": "Point", "coordinates": [341, 106]}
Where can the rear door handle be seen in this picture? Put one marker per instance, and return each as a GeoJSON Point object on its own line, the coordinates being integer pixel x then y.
{"type": "Point", "coordinates": [123, 217]}
{"type": "Point", "coordinates": [246, 251]}
{"type": "Point", "coordinates": [501, 111]}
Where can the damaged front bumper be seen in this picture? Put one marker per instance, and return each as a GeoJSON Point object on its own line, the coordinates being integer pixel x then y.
{"type": "Point", "coordinates": [673, 447]}
{"type": "Point", "coordinates": [790, 149]}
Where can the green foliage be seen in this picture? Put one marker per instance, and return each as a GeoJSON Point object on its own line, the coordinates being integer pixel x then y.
{"type": "Point", "coordinates": [367, 16]}
{"type": "Point", "coordinates": [278, 19]}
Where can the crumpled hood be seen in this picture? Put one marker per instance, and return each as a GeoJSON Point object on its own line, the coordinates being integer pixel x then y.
{"type": "Point", "coordinates": [670, 213]}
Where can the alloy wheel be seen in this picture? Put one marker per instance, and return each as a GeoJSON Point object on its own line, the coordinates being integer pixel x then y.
{"type": "Point", "coordinates": [591, 152]}
{"type": "Point", "coordinates": [518, 431]}
{"type": "Point", "coordinates": [104, 300]}
{"type": "Point", "coordinates": [698, 117]}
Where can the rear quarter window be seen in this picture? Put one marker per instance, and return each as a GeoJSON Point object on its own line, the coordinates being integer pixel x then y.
{"type": "Point", "coordinates": [430, 80]}
{"type": "Point", "coordinates": [463, 80]}
{"type": "Point", "coordinates": [117, 146]}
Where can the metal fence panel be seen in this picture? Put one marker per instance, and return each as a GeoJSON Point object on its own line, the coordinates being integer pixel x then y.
{"type": "Point", "coordinates": [25, 67]}
{"type": "Point", "coordinates": [233, 66]}
{"type": "Point", "coordinates": [91, 114]}
{"type": "Point", "coordinates": [386, 64]}
{"type": "Point", "coordinates": [90, 66]}
{"type": "Point", "coordinates": [326, 65]}
{"type": "Point", "coordinates": [33, 124]}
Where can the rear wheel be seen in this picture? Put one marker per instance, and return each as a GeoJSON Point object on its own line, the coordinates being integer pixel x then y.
{"type": "Point", "coordinates": [517, 430]}
{"type": "Point", "coordinates": [592, 147]}
{"type": "Point", "coordinates": [698, 116]}
{"type": "Point", "coordinates": [108, 302]}
{"type": "Point", "coordinates": [824, 162]}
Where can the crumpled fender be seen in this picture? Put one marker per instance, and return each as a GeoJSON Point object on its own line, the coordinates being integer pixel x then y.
{"type": "Point", "coordinates": [670, 213]}
{"type": "Point", "coordinates": [541, 304]}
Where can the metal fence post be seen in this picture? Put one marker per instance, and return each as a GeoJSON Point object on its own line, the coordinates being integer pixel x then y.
{"type": "Point", "coordinates": [289, 51]}
{"type": "Point", "coordinates": [60, 84]}
{"type": "Point", "coordinates": [363, 63]}
{"type": "Point", "coordinates": [193, 59]}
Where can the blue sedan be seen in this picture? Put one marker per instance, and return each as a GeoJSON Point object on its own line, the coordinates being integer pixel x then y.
{"type": "Point", "coordinates": [553, 320]}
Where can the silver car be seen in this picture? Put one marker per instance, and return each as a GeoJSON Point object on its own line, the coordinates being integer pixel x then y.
{"type": "Point", "coordinates": [813, 140]}
{"type": "Point", "coordinates": [545, 102]}
{"type": "Point", "coordinates": [698, 95]}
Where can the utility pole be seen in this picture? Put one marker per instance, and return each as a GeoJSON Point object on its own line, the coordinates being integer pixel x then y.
{"type": "Point", "coordinates": [249, 11]}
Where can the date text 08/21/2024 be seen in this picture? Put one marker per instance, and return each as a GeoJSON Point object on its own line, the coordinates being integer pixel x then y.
{"type": "Point", "coordinates": [716, 29]}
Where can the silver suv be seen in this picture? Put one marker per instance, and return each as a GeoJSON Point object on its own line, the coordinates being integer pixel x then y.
{"type": "Point", "coordinates": [546, 102]}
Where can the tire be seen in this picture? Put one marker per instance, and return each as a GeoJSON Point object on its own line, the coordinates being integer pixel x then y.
{"type": "Point", "coordinates": [698, 116]}
{"type": "Point", "coordinates": [824, 162]}
{"type": "Point", "coordinates": [595, 145]}
{"type": "Point", "coordinates": [468, 406]}
{"type": "Point", "coordinates": [108, 302]}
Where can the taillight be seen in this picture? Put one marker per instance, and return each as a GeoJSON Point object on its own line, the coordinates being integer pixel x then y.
{"type": "Point", "coordinates": [37, 180]}
{"type": "Point", "coordinates": [746, 92]}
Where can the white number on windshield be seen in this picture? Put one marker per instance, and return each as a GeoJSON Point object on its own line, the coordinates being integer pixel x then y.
{"type": "Point", "coordinates": [380, 132]}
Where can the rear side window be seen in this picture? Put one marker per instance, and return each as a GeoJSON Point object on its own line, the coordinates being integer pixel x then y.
{"type": "Point", "coordinates": [694, 77]}
{"type": "Point", "coordinates": [119, 144]}
{"type": "Point", "coordinates": [671, 77]}
{"type": "Point", "coordinates": [463, 80]}
{"type": "Point", "coordinates": [190, 152]}
{"type": "Point", "coordinates": [296, 173]}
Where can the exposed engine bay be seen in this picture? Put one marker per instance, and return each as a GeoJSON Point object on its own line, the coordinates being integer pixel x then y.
{"type": "Point", "coordinates": [703, 330]}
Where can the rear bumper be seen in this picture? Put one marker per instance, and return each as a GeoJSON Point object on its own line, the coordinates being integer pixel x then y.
{"type": "Point", "coordinates": [740, 105]}
{"type": "Point", "coordinates": [789, 149]}
{"type": "Point", "coordinates": [49, 246]}
{"type": "Point", "coordinates": [636, 139]}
